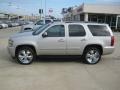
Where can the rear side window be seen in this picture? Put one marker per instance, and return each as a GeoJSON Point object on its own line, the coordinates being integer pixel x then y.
{"type": "Point", "coordinates": [99, 30]}
{"type": "Point", "coordinates": [76, 30]}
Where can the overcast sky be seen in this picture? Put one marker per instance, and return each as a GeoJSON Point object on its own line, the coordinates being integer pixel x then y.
{"type": "Point", "coordinates": [32, 6]}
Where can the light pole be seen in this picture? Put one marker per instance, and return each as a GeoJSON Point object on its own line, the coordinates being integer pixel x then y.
{"type": "Point", "coordinates": [45, 7]}
{"type": "Point", "coordinates": [45, 12]}
{"type": "Point", "coordinates": [41, 9]}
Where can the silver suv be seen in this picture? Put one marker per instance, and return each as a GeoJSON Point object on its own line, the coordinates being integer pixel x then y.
{"type": "Point", "coordinates": [90, 40]}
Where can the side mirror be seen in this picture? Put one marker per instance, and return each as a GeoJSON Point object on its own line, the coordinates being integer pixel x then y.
{"type": "Point", "coordinates": [44, 34]}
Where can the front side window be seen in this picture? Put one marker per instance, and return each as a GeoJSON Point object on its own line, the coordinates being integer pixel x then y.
{"type": "Point", "coordinates": [76, 31]}
{"type": "Point", "coordinates": [40, 29]}
{"type": "Point", "coordinates": [56, 31]}
{"type": "Point", "coordinates": [99, 30]}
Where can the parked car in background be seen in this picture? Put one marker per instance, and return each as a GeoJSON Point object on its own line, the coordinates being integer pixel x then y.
{"type": "Point", "coordinates": [39, 23]}
{"type": "Point", "coordinates": [17, 24]}
{"type": "Point", "coordinates": [8, 23]}
{"type": "Point", "coordinates": [29, 22]}
{"type": "Point", "coordinates": [3, 24]}
{"type": "Point", "coordinates": [14, 24]}
{"type": "Point", "coordinates": [22, 22]}
{"type": "Point", "coordinates": [89, 40]}
{"type": "Point", "coordinates": [1, 27]}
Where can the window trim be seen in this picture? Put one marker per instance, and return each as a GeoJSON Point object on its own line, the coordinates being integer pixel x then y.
{"type": "Point", "coordinates": [76, 36]}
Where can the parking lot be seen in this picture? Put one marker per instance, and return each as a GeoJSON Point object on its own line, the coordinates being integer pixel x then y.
{"type": "Point", "coordinates": [58, 73]}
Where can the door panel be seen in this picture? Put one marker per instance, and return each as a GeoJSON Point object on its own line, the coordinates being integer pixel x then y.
{"type": "Point", "coordinates": [54, 43]}
{"type": "Point", "coordinates": [76, 39]}
{"type": "Point", "coordinates": [75, 45]}
{"type": "Point", "coordinates": [52, 46]}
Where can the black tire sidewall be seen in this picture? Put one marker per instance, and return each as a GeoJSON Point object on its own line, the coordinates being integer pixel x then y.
{"type": "Point", "coordinates": [25, 48]}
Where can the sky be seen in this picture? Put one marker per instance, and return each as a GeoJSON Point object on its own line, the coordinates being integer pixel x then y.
{"type": "Point", "coordinates": [31, 7]}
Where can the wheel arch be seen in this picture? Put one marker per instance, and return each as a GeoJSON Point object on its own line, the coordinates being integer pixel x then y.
{"type": "Point", "coordinates": [25, 45]}
{"type": "Point", "coordinates": [94, 45]}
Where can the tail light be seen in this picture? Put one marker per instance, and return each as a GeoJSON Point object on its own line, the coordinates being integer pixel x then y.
{"type": "Point", "coordinates": [112, 40]}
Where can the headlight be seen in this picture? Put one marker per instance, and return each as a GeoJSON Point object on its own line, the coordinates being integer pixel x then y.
{"type": "Point", "coordinates": [10, 42]}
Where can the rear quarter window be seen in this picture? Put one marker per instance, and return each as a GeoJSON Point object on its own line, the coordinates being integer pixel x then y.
{"type": "Point", "coordinates": [99, 30]}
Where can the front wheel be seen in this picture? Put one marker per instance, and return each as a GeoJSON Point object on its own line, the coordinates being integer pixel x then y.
{"type": "Point", "coordinates": [92, 55]}
{"type": "Point", "coordinates": [25, 55]}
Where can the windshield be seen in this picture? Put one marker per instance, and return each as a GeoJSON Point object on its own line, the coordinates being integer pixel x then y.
{"type": "Point", "coordinates": [40, 29]}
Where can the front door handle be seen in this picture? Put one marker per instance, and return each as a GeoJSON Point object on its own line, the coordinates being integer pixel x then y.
{"type": "Point", "coordinates": [61, 40]}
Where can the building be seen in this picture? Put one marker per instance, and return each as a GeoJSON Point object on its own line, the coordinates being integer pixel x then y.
{"type": "Point", "coordinates": [109, 14]}
{"type": "Point", "coordinates": [32, 17]}
{"type": "Point", "coordinates": [4, 16]}
{"type": "Point", "coordinates": [9, 16]}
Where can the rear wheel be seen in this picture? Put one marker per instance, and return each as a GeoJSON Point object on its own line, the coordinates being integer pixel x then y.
{"type": "Point", "coordinates": [25, 55]}
{"type": "Point", "coordinates": [92, 55]}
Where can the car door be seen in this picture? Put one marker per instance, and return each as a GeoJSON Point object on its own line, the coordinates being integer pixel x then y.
{"type": "Point", "coordinates": [55, 41]}
{"type": "Point", "coordinates": [76, 39]}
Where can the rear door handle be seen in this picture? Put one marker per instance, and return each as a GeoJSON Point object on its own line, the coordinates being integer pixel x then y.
{"type": "Point", "coordinates": [83, 39]}
{"type": "Point", "coordinates": [61, 40]}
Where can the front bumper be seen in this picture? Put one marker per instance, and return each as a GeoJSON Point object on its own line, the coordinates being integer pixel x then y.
{"type": "Point", "coordinates": [11, 51]}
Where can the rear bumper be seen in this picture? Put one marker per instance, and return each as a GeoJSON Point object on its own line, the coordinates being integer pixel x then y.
{"type": "Point", "coordinates": [11, 51]}
{"type": "Point", "coordinates": [108, 50]}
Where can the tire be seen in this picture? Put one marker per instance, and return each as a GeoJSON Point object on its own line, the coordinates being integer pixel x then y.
{"type": "Point", "coordinates": [92, 55]}
{"type": "Point", "coordinates": [25, 55]}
